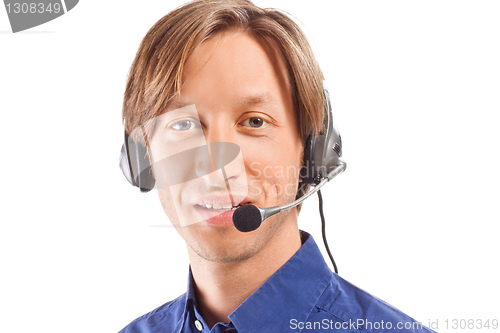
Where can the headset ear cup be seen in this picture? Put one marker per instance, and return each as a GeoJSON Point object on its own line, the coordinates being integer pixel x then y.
{"type": "Point", "coordinates": [135, 164]}
{"type": "Point", "coordinates": [321, 152]}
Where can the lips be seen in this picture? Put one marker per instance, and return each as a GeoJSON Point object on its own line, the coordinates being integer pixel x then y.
{"type": "Point", "coordinates": [219, 210]}
{"type": "Point", "coordinates": [215, 218]}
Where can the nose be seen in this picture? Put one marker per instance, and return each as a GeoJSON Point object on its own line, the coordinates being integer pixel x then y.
{"type": "Point", "coordinates": [223, 159]}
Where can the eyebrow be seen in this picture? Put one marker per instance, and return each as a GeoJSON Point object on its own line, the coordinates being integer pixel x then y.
{"type": "Point", "coordinates": [176, 104]}
{"type": "Point", "coordinates": [247, 101]}
{"type": "Point", "coordinates": [251, 100]}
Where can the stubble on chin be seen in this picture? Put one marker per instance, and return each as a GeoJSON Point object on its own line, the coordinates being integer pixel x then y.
{"type": "Point", "coordinates": [224, 249]}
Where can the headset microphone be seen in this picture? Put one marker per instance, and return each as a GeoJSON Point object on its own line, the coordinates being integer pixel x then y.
{"type": "Point", "coordinates": [249, 217]}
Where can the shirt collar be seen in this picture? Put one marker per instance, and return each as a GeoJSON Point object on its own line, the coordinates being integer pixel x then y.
{"type": "Point", "coordinates": [290, 293]}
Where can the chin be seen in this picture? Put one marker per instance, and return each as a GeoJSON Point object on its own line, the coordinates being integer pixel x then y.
{"type": "Point", "coordinates": [224, 252]}
{"type": "Point", "coordinates": [226, 245]}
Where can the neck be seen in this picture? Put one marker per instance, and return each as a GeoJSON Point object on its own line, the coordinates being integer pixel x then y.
{"type": "Point", "coordinates": [222, 287]}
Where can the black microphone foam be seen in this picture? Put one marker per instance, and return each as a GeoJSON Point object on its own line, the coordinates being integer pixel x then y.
{"type": "Point", "coordinates": [247, 218]}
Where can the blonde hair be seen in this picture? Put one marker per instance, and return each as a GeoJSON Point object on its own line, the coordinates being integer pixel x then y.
{"type": "Point", "coordinates": [155, 76]}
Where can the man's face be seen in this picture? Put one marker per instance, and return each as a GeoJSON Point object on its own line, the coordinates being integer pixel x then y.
{"type": "Point", "coordinates": [241, 93]}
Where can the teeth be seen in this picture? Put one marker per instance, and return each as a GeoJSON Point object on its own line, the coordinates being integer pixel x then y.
{"type": "Point", "coordinates": [219, 206]}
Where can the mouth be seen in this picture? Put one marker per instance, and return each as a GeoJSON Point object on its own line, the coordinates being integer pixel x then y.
{"type": "Point", "coordinates": [221, 208]}
{"type": "Point", "coordinates": [218, 212]}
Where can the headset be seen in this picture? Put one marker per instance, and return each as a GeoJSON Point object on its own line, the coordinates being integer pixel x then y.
{"type": "Point", "coordinates": [322, 162]}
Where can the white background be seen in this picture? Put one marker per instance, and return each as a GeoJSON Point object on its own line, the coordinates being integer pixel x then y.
{"type": "Point", "coordinates": [414, 219]}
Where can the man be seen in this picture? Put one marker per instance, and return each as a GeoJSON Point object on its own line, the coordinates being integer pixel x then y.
{"type": "Point", "coordinates": [229, 72]}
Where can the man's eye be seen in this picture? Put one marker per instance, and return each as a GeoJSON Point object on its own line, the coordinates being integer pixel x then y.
{"type": "Point", "coordinates": [254, 122]}
{"type": "Point", "coordinates": [183, 125]}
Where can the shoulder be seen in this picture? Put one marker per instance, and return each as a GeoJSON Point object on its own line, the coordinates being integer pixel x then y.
{"type": "Point", "coordinates": [165, 316]}
{"type": "Point", "coordinates": [350, 307]}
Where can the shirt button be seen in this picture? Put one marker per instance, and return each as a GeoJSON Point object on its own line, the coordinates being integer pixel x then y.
{"type": "Point", "coordinates": [198, 325]}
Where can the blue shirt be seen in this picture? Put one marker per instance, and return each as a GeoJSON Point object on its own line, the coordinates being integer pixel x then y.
{"type": "Point", "coordinates": [302, 296]}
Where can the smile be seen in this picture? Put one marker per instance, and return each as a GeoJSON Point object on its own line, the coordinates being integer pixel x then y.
{"type": "Point", "coordinates": [218, 208]}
